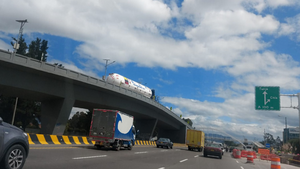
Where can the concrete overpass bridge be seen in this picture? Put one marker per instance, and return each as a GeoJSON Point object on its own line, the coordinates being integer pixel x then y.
{"type": "Point", "coordinates": [60, 89]}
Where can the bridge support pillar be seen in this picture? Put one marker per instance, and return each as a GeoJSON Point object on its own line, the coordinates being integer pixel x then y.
{"type": "Point", "coordinates": [146, 128]}
{"type": "Point", "coordinates": [55, 114]}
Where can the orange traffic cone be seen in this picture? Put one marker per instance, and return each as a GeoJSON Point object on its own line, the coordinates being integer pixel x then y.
{"type": "Point", "coordinates": [250, 157]}
{"type": "Point", "coordinates": [275, 163]}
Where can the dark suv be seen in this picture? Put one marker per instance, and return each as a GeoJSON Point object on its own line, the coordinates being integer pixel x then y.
{"type": "Point", "coordinates": [164, 142]}
{"type": "Point", "coordinates": [14, 146]}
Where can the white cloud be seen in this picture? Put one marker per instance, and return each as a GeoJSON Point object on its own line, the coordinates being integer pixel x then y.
{"type": "Point", "coordinates": [291, 28]}
{"type": "Point", "coordinates": [70, 65]}
{"type": "Point", "coordinates": [266, 69]}
{"type": "Point", "coordinates": [286, 29]}
{"type": "Point", "coordinates": [220, 24]}
{"type": "Point", "coordinates": [5, 46]}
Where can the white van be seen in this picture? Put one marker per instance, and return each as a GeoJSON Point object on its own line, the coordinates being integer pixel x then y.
{"type": "Point", "coordinates": [249, 148]}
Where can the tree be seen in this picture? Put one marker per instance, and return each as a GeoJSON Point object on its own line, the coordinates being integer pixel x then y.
{"type": "Point", "coordinates": [268, 138]}
{"type": "Point", "coordinates": [38, 49]}
{"type": "Point", "coordinates": [278, 143]}
{"type": "Point", "coordinates": [189, 121]}
{"type": "Point", "coordinates": [287, 147]}
{"type": "Point", "coordinates": [27, 112]}
{"type": "Point", "coordinates": [22, 45]}
{"type": "Point", "coordinates": [79, 124]}
{"type": "Point", "coordinates": [295, 144]}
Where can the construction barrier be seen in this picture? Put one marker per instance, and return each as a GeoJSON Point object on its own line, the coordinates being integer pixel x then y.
{"type": "Point", "coordinates": [275, 163]}
{"type": "Point", "coordinates": [54, 139]}
{"type": "Point", "coordinates": [250, 157]}
{"type": "Point", "coordinates": [268, 156]}
{"type": "Point", "coordinates": [238, 154]}
{"type": "Point", "coordinates": [244, 153]}
{"type": "Point", "coordinates": [234, 153]}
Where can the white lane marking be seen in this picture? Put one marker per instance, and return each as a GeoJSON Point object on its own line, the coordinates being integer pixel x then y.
{"type": "Point", "coordinates": [161, 168]}
{"type": "Point", "coordinates": [79, 158]}
{"type": "Point", "coordinates": [242, 167]}
{"type": "Point", "coordinates": [142, 152]}
{"type": "Point", "coordinates": [237, 161]}
{"type": "Point", "coordinates": [183, 160]}
{"type": "Point", "coordinates": [196, 156]}
{"type": "Point", "coordinates": [177, 150]}
{"type": "Point", "coordinates": [164, 150]}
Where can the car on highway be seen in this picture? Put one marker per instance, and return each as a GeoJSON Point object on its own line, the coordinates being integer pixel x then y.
{"type": "Point", "coordinates": [221, 146]}
{"type": "Point", "coordinates": [14, 146]}
{"type": "Point", "coordinates": [213, 149]}
{"type": "Point", "coordinates": [164, 142]}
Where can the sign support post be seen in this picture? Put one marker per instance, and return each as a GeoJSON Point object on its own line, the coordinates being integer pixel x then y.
{"type": "Point", "coordinates": [298, 107]}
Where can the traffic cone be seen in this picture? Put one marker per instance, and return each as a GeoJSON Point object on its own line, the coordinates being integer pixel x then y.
{"type": "Point", "coordinates": [250, 157]}
{"type": "Point", "coordinates": [275, 163]}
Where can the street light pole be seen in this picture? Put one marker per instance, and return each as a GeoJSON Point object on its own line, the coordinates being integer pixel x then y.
{"type": "Point", "coordinates": [107, 64]}
{"type": "Point", "coordinates": [299, 112]}
{"type": "Point", "coordinates": [20, 34]}
{"type": "Point", "coordinates": [265, 137]}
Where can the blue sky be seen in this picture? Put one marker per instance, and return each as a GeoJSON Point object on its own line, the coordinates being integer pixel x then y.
{"type": "Point", "coordinates": [203, 58]}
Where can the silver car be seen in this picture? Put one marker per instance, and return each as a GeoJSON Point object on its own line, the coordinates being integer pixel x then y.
{"type": "Point", "coordinates": [14, 147]}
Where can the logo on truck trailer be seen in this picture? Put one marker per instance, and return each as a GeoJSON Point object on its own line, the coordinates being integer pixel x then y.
{"type": "Point", "coordinates": [125, 123]}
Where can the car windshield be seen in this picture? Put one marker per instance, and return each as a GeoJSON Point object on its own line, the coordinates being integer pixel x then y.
{"type": "Point", "coordinates": [149, 83]}
{"type": "Point", "coordinates": [213, 145]}
{"type": "Point", "coordinates": [163, 139]}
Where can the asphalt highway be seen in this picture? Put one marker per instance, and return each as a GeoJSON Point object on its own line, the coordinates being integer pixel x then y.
{"type": "Point", "coordinates": [144, 157]}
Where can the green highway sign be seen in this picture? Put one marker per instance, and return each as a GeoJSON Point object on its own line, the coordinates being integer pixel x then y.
{"type": "Point", "coordinates": [267, 98]}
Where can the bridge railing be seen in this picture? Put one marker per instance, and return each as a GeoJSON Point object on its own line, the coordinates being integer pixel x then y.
{"type": "Point", "coordinates": [61, 71]}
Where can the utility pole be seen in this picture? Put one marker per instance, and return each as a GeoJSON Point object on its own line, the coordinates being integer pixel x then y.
{"type": "Point", "coordinates": [16, 46]}
{"type": "Point", "coordinates": [107, 64]}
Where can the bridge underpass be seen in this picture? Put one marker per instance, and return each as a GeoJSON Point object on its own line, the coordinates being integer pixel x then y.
{"type": "Point", "coordinates": [60, 89]}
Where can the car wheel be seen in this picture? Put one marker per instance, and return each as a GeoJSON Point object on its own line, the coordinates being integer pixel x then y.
{"type": "Point", "coordinates": [204, 154]}
{"type": "Point", "coordinates": [129, 148]}
{"type": "Point", "coordinates": [99, 147]}
{"type": "Point", "coordinates": [117, 148]}
{"type": "Point", "coordinates": [199, 149]}
{"type": "Point", "coordinates": [171, 147]}
{"type": "Point", "coordinates": [168, 147]}
{"type": "Point", "coordinates": [220, 156]}
{"type": "Point", "coordinates": [157, 146]}
{"type": "Point", "coordinates": [15, 157]}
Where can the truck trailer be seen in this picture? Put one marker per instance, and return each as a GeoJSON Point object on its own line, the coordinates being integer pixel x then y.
{"type": "Point", "coordinates": [112, 128]}
{"type": "Point", "coordinates": [195, 139]}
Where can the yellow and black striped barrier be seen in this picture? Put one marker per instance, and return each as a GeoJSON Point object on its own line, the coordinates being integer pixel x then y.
{"type": "Point", "coordinates": [145, 143]}
{"type": "Point", "coordinates": [54, 139]}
